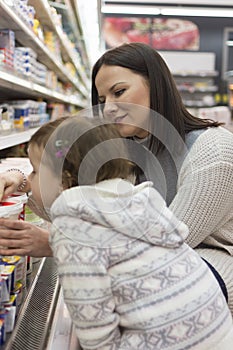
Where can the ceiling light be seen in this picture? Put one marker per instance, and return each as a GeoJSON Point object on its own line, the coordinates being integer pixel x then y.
{"type": "Point", "coordinates": [167, 11]}
{"type": "Point", "coordinates": [130, 10]}
{"type": "Point", "coordinates": [196, 12]}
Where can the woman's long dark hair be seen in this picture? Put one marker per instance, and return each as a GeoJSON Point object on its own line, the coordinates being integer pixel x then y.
{"type": "Point", "coordinates": [164, 95]}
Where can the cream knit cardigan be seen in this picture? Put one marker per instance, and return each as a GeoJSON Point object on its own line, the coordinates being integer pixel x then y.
{"type": "Point", "coordinates": [204, 200]}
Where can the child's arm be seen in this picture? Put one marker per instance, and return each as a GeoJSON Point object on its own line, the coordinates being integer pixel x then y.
{"type": "Point", "coordinates": [87, 293]}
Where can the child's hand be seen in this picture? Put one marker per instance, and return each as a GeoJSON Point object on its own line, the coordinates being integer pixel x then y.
{"type": "Point", "coordinates": [9, 183]}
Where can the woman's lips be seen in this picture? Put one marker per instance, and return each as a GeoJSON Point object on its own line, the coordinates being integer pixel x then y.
{"type": "Point", "coordinates": [118, 120]}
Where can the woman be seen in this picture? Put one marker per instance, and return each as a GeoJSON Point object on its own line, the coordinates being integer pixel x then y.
{"type": "Point", "coordinates": [197, 177]}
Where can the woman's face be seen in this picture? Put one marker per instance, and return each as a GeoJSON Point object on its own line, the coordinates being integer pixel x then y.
{"type": "Point", "coordinates": [126, 99]}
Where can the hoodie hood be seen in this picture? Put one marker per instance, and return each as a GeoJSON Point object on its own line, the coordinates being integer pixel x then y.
{"type": "Point", "coordinates": [137, 212]}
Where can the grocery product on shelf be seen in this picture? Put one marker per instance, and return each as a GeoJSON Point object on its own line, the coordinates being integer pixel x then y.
{"type": "Point", "coordinates": [6, 119]}
{"type": "Point", "coordinates": [12, 272]}
{"type": "Point", "coordinates": [14, 269]}
{"type": "Point", "coordinates": [46, 57]}
{"type": "Point", "coordinates": [7, 48]}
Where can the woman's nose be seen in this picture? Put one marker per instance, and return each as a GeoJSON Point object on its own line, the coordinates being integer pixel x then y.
{"type": "Point", "coordinates": [110, 109]}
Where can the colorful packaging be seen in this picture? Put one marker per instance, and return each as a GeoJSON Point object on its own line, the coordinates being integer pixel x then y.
{"type": "Point", "coordinates": [2, 331]}
{"type": "Point", "coordinates": [18, 291]}
{"type": "Point", "coordinates": [8, 271]}
{"type": "Point", "coordinates": [10, 318]}
{"type": "Point", "coordinates": [20, 263]}
{"type": "Point", "coordinates": [5, 294]}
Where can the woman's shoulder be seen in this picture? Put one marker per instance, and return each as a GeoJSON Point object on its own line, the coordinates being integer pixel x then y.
{"type": "Point", "coordinates": [214, 137]}
{"type": "Point", "coordinates": [213, 145]}
{"type": "Point", "coordinates": [219, 132]}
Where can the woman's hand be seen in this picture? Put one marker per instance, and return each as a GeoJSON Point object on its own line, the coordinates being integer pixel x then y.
{"type": "Point", "coordinates": [10, 182]}
{"type": "Point", "coordinates": [23, 238]}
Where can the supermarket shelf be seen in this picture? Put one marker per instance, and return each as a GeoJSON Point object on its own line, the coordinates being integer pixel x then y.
{"type": "Point", "coordinates": [12, 81]}
{"type": "Point", "coordinates": [193, 89]}
{"type": "Point", "coordinates": [43, 11]}
{"type": "Point", "coordinates": [27, 38]}
{"type": "Point", "coordinates": [196, 104]}
{"type": "Point", "coordinates": [74, 21]}
{"type": "Point", "coordinates": [75, 24]}
{"type": "Point", "coordinates": [16, 138]}
{"type": "Point", "coordinates": [196, 74]}
{"type": "Point", "coordinates": [197, 89]}
{"type": "Point", "coordinates": [35, 317]}
{"type": "Point", "coordinates": [58, 5]}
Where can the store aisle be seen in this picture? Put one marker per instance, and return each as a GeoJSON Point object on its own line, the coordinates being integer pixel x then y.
{"type": "Point", "coordinates": [62, 334]}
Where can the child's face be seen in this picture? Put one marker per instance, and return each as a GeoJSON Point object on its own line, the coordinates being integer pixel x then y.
{"type": "Point", "coordinates": [44, 184]}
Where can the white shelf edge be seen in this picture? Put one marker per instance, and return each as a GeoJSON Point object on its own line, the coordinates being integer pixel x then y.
{"type": "Point", "coordinates": [16, 138]}
{"type": "Point", "coordinates": [42, 90]}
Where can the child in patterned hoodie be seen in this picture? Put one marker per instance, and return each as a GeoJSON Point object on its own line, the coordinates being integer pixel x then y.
{"type": "Point", "coordinates": [129, 280]}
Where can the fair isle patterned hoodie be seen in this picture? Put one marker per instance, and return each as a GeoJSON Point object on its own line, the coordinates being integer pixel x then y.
{"type": "Point", "coordinates": [129, 280]}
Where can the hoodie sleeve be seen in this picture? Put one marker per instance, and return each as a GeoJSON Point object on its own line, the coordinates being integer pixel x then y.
{"type": "Point", "coordinates": [150, 220]}
{"type": "Point", "coordinates": [87, 291]}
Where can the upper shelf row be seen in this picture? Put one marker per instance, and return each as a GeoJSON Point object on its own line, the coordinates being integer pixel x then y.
{"type": "Point", "coordinates": [26, 37]}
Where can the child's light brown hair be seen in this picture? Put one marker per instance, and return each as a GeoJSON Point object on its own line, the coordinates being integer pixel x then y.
{"type": "Point", "coordinates": [69, 141]}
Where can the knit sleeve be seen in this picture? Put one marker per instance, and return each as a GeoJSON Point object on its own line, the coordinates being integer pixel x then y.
{"type": "Point", "coordinates": [204, 196]}
{"type": "Point", "coordinates": [87, 292]}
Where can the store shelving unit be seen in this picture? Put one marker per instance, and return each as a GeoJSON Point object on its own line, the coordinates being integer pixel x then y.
{"type": "Point", "coordinates": [16, 138]}
{"type": "Point", "coordinates": [62, 334]}
{"type": "Point", "coordinates": [230, 93]}
{"type": "Point", "coordinates": [36, 316]}
{"type": "Point", "coordinates": [74, 22]}
{"type": "Point", "coordinates": [16, 86]}
{"type": "Point", "coordinates": [26, 37]}
{"type": "Point", "coordinates": [197, 89]}
{"type": "Point", "coordinates": [43, 10]}
{"type": "Point", "coordinates": [11, 82]}
{"type": "Point", "coordinates": [229, 78]}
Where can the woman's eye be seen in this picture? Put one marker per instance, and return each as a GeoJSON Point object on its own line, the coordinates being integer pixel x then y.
{"type": "Point", "coordinates": [119, 92]}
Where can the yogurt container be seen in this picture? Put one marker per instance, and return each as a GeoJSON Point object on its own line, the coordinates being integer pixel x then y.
{"type": "Point", "coordinates": [23, 198]}
{"type": "Point", "coordinates": [10, 209]}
